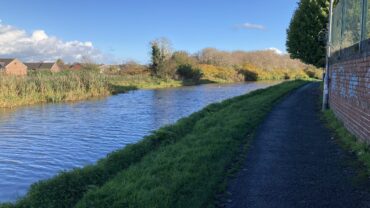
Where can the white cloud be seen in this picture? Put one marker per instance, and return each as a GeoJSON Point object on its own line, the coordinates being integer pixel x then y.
{"type": "Point", "coordinates": [38, 46]}
{"type": "Point", "coordinates": [276, 50]}
{"type": "Point", "coordinates": [39, 35]}
{"type": "Point", "coordinates": [250, 26]}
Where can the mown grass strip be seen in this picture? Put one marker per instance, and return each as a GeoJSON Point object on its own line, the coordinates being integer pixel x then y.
{"type": "Point", "coordinates": [348, 140]}
{"type": "Point", "coordinates": [180, 165]}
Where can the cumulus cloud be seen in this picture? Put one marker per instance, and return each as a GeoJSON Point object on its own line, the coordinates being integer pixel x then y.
{"type": "Point", "coordinates": [276, 50]}
{"type": "Point", "coordinates": [250, 26]}
{"type": "Point", "coordinates": [39, 46]}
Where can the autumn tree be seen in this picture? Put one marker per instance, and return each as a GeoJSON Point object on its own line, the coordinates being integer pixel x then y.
{"type": "Point", "coordinates": [214, 57]}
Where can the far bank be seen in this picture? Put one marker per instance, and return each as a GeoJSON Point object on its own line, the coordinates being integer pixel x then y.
{"type": "Point", "coordinates": [66, 86]}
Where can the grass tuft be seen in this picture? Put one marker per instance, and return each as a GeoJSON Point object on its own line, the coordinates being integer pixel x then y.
{"type": "Point", "coordinates": [348, 140]}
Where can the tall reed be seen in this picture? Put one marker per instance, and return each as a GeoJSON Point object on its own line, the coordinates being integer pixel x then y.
{"type": "Point", "coordinates": [44, 87]}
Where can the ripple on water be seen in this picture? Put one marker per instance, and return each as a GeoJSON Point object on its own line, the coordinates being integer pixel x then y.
{"type": "Point", "coordinates": [39, 141]}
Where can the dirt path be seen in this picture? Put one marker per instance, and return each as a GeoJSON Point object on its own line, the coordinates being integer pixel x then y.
{"type": "Point", "coordinates": [293, 162]}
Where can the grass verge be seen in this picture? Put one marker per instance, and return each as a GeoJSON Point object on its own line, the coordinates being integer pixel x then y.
{"type": "Point", "coordinates": [180, 165]}
{"type": "Point", "coordinates": [143, 81]}
{"type": "Point", "coordinates": [348, 140]}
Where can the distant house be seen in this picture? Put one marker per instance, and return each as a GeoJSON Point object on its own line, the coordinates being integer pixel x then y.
{"type": "Point", "coordinates": [13, 67]}
{"type": "Point", "coordinates": [104, 68]}
{"type": "Point", "coordinates": [40, 66]}
{"type": "Point", "coordinates": [75, 66]}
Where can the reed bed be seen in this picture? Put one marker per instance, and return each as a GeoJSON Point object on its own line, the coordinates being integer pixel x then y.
{"type": "Point", "coordinates": [44, 87]}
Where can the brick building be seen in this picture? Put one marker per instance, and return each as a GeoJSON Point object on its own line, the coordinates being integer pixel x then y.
{"type": "Point", "coordinates": [41, 66]}
{"type": "Point", "coordinates": [13, 67]}
{"type": "Point", "coordinates": [349, 66]}
{"type": "Point", "coordinates": [75, 66]}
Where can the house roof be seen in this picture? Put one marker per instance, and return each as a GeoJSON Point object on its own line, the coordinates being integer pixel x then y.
{"type": "Point", "coordinates": [75, 65]}
{"type": "Point", "coordinates": [39, 65]}
{"type": "Point", "coordinates": [105, 66]}
{"type": "Point", "coordinates": [5, 62]}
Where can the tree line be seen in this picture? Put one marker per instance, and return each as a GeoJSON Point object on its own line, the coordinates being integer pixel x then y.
{"type": "Point", "coordinates": [167, 63]}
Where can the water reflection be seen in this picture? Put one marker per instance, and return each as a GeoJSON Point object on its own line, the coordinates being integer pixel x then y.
{"type": "Point", "coordinates": [39, 141]}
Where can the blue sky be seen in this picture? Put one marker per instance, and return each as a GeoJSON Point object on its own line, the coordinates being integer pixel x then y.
{"type": "Point", "coordinates": [125, 28]}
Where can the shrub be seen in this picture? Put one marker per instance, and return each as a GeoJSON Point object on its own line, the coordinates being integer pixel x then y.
{"type": "Point", "coordinates": [220, 74]}
{"type": "Point", "coordinates": [254, 73]}
{"type": "Point", "coordinates": [187, 71]}
{"type": "Point", "coordinates": [250, 75]}
{"type": "Point", "coordinates": [298, 74]}
{"type": "Point", "coordinates": [313, 72]}
{"type": "Point", "coordinates": [183, 58]}
{"type": "Point", "coordinates": [133, 68]}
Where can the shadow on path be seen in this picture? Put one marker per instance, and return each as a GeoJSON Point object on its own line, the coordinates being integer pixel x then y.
{"type": "Point", "coordinates": [293, 162]}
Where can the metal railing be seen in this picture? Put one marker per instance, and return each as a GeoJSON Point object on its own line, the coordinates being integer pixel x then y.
{"type": "Point", "coordinates": [349, 35]}
{"type": "Point", "coordinates": [350, 28]}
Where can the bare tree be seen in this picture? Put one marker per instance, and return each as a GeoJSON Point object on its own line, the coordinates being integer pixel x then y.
{"type": "Point", "coordinates": [214, 57]}
{"type": "Point", "coordinates": [164, 45]}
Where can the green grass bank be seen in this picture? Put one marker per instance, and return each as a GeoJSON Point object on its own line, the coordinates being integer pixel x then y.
{"type": "Point", "coordinates": [180, 165]}
{"type": "Point", "coordinates": [348, 140]}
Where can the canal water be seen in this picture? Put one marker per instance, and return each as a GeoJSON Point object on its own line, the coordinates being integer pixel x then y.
{"type": "Point", "coordinates": [39, 141]}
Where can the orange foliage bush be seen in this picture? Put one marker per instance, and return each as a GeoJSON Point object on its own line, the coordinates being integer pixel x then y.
{"type": "Point", "coordinates": [220, 74]}
{"type": "Point", "coordinates": [254, 73]}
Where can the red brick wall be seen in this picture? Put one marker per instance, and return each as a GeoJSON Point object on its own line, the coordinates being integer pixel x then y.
{"type": "Point", "coordinates": [349, 95]}
{"type": "Point", "coordinates": [56, 68]}
{"type": "Point", "coordinates": [16, 67]}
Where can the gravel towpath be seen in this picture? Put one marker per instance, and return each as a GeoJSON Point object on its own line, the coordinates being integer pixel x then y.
{"type": "Point", "coordinates": [294, 162]}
